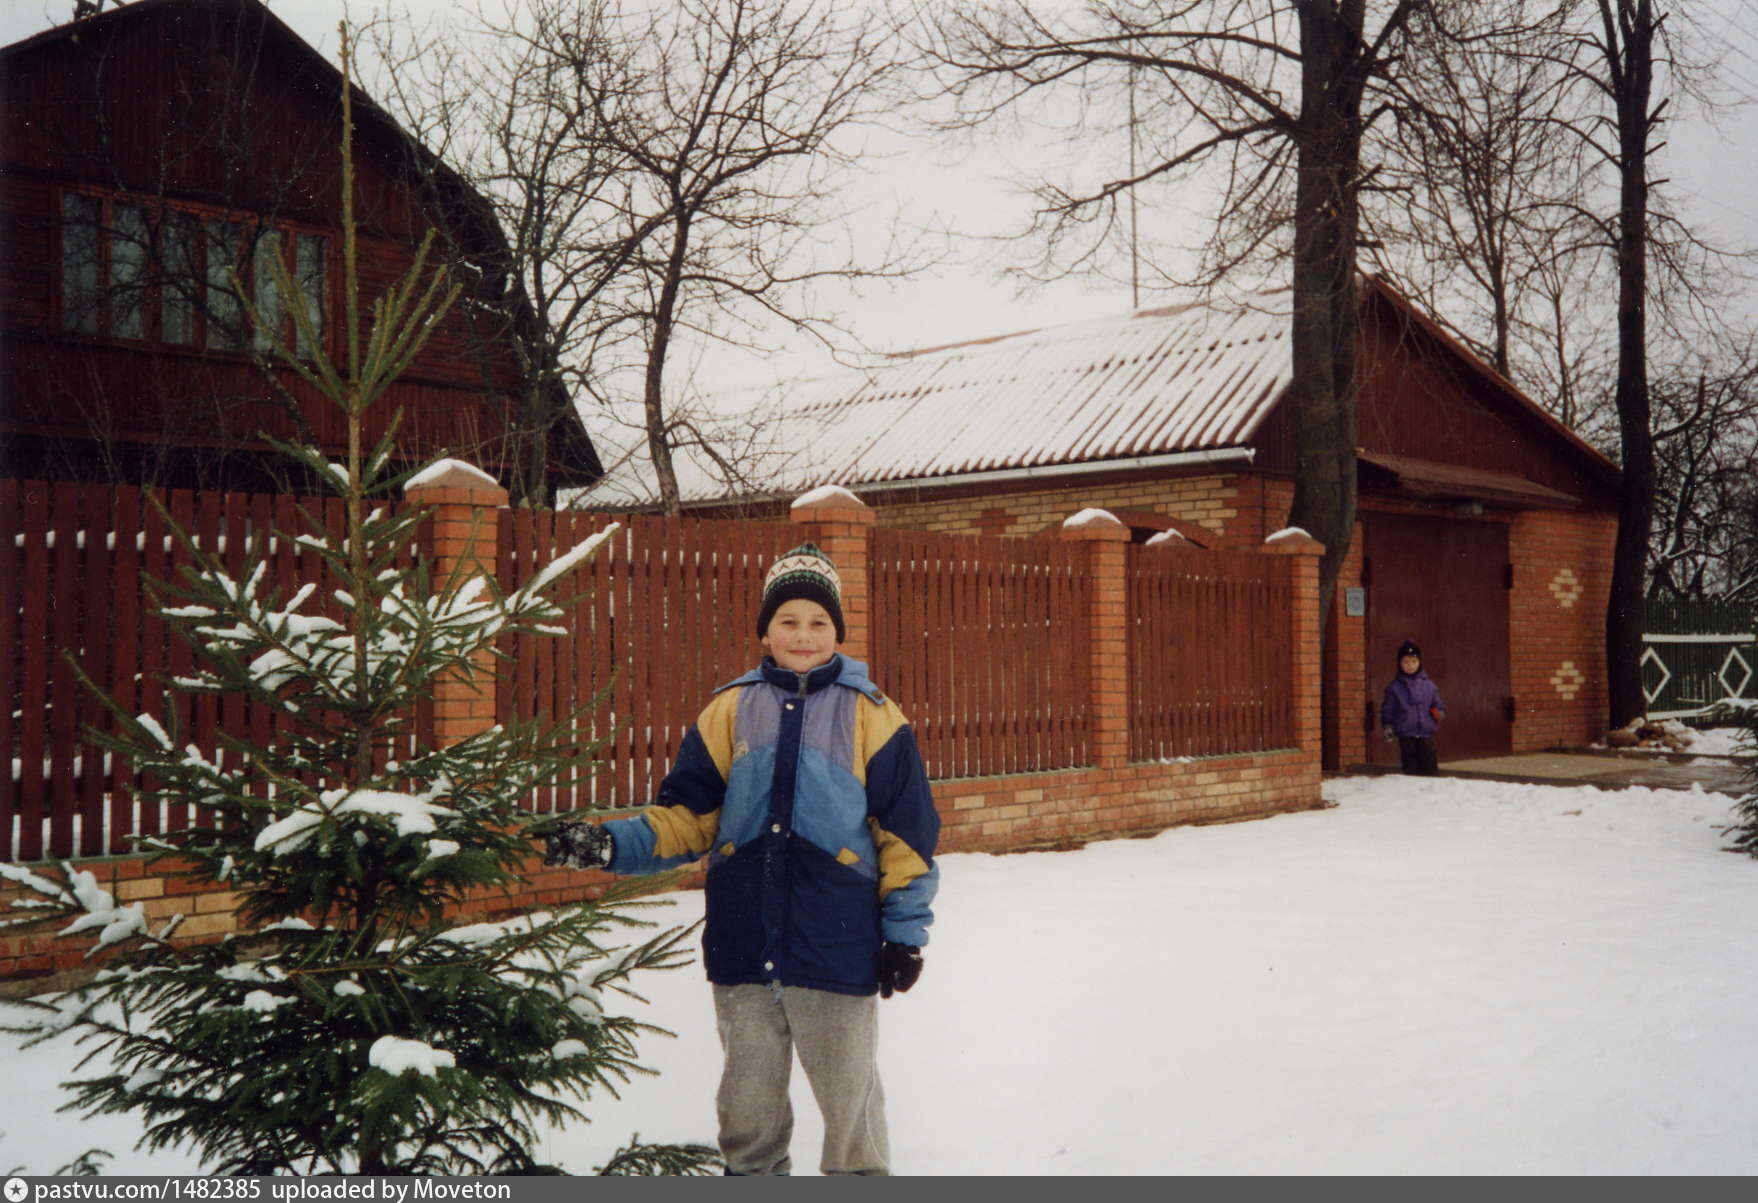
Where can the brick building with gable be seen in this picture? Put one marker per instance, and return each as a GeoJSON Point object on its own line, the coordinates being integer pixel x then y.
{"type": "Point", "coordinates": [1484, 529]}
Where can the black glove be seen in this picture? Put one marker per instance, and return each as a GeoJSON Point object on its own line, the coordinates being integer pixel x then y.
{"type": "Point", "coordinates": [579, 846]}
{"type": "Point", "coordinates": [899, 967]}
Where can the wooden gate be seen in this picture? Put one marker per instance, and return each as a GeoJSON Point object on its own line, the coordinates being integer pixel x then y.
{"type": "Point", "coordinates": [1443, 583]}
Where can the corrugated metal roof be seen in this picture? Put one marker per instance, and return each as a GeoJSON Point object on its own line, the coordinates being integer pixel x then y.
{"type": "Point", "coordinates": [1150, 382]}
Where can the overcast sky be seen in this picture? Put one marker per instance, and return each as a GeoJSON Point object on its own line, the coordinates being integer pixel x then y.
{"type": "Point", "coordinates": [1715, 174]}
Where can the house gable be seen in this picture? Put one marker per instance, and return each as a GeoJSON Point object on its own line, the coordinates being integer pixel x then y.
{"type": "Point", "coordinates": [181, 118]}
{"type": "Point", "coordinates": [1425, 401]}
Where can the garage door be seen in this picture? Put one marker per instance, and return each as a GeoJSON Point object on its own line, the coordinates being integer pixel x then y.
{"type": "Point", "coordinates": [1443, 583]}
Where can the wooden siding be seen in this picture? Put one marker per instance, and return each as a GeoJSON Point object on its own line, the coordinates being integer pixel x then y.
{"type": "Point", "coordinates": [209, 102]}
{"type": "Point", "coordinates": [136, 107]}
{"type": "Point", "coordinates": [1417, 399]}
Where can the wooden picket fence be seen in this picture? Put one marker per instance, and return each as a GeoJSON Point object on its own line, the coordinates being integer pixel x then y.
{"type": "Point", "coordinates": [74, 577]}
{"type": "Point", "coordinates": [986, 642]}
{"type": "Point", "coordinates": [1209, 652]}
{"type": "Point", "coordinates": [661, 614]}
{"type": "Point", "coordinates": [1696, 653]}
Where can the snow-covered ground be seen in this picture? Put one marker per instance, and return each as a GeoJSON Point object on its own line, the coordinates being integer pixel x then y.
{"type": "Point", "coordinates": [1722, 741]}
{"type": "Point", "coordinates": [1436, 976]}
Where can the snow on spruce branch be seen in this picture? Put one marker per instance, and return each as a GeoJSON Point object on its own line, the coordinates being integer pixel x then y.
{"type": "Point", "coordinates": [94, 908]}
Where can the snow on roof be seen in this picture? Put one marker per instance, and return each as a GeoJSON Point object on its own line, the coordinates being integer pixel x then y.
{"type": "Point", "coordinates": [1150, 382]}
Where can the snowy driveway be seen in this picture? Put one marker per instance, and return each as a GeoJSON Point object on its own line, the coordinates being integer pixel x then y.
{"type": "Point", "coordinates": [1436, 976]}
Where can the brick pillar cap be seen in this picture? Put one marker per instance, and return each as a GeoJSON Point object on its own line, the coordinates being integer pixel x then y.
{"type": "Point", "coordinates": [831, 503]}
{"type": "Point", "coordinates": [1095, 524]}
{"type": "Point", "coordinates": [456, 474]}
{"type": "Point", "coordinates": [828, 497]}
{"type": "Point", "coordinates": [1292, 541]}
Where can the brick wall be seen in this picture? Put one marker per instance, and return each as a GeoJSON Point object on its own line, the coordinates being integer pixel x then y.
{"type": "Point", "coordinates": [1346, 678]}
{"type": "Point", "coordinates": [1212, 502]}
{"type": "Point", "coordinates": [1562, 575]}
{"type": "Point", "coordinates": [1109, 799]}
{"type": "Point", "coordinates": [1556, 628]}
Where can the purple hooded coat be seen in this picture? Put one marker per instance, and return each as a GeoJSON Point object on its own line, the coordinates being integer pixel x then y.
{"type": "Point", "coordinates": [1405, 707]}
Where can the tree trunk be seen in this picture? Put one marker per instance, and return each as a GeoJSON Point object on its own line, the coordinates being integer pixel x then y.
{"type": "Point", "coordinates": [1633, 79]}
{"type": "Point", "coordinates": [527, 450]}
{"type": "Point", "coordinates": [1326, 317]}
{"type": "Point", "coordinates": [658, 444]}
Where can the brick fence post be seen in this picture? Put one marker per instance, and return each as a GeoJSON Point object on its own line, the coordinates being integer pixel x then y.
{"type": "Point", "coordinates": [1107, 543]}
{"type": "Point", "coordinates": [466, 540]}
{"type": "Point", "coordinates": [841, 524]}
{"type": "Point", "coordinates": [1307, 637]}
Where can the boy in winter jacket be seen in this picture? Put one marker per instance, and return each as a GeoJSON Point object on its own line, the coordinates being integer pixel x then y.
{"type": "Point", "coordinates": [1411, 711]}
{"type": "Point", "coordinates": [804, 786]}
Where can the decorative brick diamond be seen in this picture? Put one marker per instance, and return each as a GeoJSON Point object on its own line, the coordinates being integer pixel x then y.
{"type": "Point", "coordinates": [1566, 587]}
{"type": "Point", "coordinates": [1568, 680]}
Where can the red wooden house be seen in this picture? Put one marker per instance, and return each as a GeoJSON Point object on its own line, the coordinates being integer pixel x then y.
{"type": "Point", "coordinates": [149, 156]}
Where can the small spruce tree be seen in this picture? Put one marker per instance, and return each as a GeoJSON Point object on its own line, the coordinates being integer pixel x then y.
{"type": "Point", "coordinates": [353, 1030]}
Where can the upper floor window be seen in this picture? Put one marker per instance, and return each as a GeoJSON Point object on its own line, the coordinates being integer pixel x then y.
{"type": "Point", "coordinates": [158, 274]}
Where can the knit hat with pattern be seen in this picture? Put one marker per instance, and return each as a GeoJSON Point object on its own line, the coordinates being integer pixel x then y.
{"type": "Point", "coordinates": [803, 572]}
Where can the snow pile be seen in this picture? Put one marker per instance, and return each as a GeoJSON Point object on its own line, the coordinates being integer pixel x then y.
{"type": "Point", "coordinates": [470, 474]}
{"type": "Point", "coordinates": [1286, 535]}
{"type": "Point", "coordinates": [265, 1003]}
{"type": "Point", "coordinates": [828, 493]}
{"type": "Point", "coordinates": [1090, 517]}
{"type": "Point", "coordinates": [1168, 536]}
{"type": "Point", "coordinates": [1724, 741]}
{"type": "Point", "coordinates": [411, 814]}
{"type": "Point", "coordinates": [395, 1055]}
{"type": "Point", "coordinates": [143, 1079]}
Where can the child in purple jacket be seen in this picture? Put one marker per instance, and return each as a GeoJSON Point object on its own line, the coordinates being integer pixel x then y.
{"type": "Point", "coordinates": [1411, 712]}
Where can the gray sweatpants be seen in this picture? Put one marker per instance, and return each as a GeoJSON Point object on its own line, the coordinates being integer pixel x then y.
{"type": "Point", "coordinates": [837, 1036]}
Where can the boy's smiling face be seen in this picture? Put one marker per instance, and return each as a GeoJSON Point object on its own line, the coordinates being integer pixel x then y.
{"type": "Point", "coordinates": [801, 635]}
{"type": "Point", "coordinates": [1409, 664]}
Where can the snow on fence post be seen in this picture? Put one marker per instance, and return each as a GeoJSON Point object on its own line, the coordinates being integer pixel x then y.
{"type": "Point", "coordinates": [466, 534]}
{"type": "Point", "coordinates": [1307, 633]}
{"type": "Point", "coordinates": [1107, 544]}
{"type": "Point", "coordinates": [841, 524]}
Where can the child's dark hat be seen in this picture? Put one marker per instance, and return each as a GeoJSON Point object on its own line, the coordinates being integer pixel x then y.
{"type": "Point", "coordinates": [805, 572]}
{"type": "Point", "coordinates": [1408, 648]}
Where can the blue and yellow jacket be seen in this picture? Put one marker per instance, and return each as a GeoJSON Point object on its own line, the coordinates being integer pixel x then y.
{"type": "Point", "coordinates": [807, 792]}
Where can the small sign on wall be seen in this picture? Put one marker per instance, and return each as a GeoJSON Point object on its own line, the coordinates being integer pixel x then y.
{"type": "Point", "coordinates": [1355, 602]}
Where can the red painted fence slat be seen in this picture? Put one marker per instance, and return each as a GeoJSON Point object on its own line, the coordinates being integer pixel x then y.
{"type": "Point", "coordinates": [1228, 691]}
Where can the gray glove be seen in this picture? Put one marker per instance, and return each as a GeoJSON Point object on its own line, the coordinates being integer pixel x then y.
{"type": "Point", "coordinates": [1390, 735]}
{"type": "Point", "coordinates": [579, 846]}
